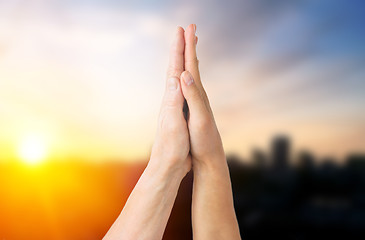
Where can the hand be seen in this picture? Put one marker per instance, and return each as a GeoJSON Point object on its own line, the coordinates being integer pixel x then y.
{"type": "Point", "coordinates": [148, 208]}
{"type": "Point", "coordinates": [205, 143]}
{"type": "Point", "coordinates": [171, 147]}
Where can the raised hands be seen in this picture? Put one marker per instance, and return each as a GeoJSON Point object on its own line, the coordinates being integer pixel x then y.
{"type": "Point", "coordinates": [182, 144]}
{"type": "Point", "coordinates": [205, 142]}
{"type": "Point", "coordinates": [171, 147]}
{"type": "Point", "coordinates": [148, 208]}
{"type": "Point", "coordinates": [213, 214]}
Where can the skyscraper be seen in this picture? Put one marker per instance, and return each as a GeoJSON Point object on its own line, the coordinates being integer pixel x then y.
{"type": "Point", "coordinates": [259, 158]}
{"type": "Point", "coordinates": [280, 150]}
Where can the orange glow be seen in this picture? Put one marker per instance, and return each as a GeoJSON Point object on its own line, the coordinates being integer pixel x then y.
{"type": "Point", "coordinates": [62, 200]}
{"type": "Point", "coordinates": [32, 149]}
{"type": "Point", "coordinates": [81, 84]}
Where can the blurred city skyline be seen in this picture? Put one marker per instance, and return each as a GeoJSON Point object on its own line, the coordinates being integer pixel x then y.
{"type": "Point", "coordinates": [89, 76]}
{"type": "Point", "coordinates": [274, 195]}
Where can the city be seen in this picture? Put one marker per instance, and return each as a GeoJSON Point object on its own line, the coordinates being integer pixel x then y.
{"type": "Point", "coordinates": [275, 195]}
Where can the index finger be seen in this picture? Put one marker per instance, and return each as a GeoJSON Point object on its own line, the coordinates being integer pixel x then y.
{"type": "Point", "coordinates": [176, 62]}
{"type": "Point", "coordinates": [191, 60]}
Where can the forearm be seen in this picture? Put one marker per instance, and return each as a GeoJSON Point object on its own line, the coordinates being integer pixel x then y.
{"type": "Point", "coordinates": [147, 210]}
{"type": "Point", "coordinates": [213, 214]}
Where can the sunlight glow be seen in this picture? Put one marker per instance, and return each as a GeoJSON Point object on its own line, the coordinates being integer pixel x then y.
{"type": "Point", "coordinates": [32, 149]}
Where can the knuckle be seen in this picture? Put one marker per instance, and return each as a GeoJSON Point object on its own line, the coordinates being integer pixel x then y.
{"type": "Point", "coordinates": [170, 102]}
{"type": "Point", "coordinates": [173, 71]}
{"type": "Point", "coordinates": [193, 60]}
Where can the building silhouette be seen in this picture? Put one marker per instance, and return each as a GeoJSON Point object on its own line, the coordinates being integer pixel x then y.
{"type": "Point", "coordinates": [306, 200]}
{"type": "Point", "coordinates": [280, 152]}
{"type": "Point", "coordinates": [259, 158]}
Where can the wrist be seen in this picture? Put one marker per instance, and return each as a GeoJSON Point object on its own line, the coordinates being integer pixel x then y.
{"type": "Point", "coordinates": [209, 160]}
{"type": "Point", "coordinates": [166, 169]}
{"type": "Point", "coordinates": [213, 165]}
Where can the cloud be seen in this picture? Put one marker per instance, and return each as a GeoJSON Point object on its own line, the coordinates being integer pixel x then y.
{"type": "Point", "coordinates": [98, 68]}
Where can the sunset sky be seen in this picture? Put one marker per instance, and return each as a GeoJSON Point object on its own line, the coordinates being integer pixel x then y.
{"type": "Point", "coordinates": [87, 77]}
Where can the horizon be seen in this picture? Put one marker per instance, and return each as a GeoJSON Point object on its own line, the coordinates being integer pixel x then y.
{"type": "Point", "coordinates": [294, 156]}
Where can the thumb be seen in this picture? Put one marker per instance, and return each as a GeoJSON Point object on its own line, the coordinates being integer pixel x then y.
{"type": "Point", "coordinates": [193, 95]}
{"type": "Point", "coordinates": [173, 99]}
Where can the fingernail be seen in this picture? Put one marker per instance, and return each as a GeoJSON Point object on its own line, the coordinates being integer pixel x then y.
{"type": "Point", "coordinates": [172, 83]}
{"type": "Point", "coordinates": [188, 79]}
{"type": "Point", "coordinates": [194, 28]}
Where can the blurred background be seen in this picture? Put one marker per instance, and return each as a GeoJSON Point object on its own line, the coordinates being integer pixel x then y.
{"type": "Point", "coordinates": [80, 88]}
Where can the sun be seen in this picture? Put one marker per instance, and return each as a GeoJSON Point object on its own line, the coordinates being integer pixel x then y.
{"type": "Point", "coordinates": [32, 149]}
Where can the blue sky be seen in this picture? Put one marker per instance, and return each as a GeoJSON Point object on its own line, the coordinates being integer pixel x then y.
{"type": "Point", "coordinates": [90, 73]}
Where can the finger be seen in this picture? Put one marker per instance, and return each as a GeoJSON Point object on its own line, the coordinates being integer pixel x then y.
{"type": "Point", "coordinates": [191, 61]}
{"type": "Point", "coordinates": [176, 61]}
{"type": "Point", "coordinates": [173, 99]}
{"type": "Point", "coordinates": [190, 43]}
{"type": "Point", "coordinates": [193, 95]}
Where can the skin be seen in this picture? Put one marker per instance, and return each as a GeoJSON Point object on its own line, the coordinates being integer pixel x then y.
{"type": "Point", "coordinates": [182, 144]}
{"type": "Point", "coordinates": [213, 214]}
{"type": "Point", "coordinates": [148, 208]}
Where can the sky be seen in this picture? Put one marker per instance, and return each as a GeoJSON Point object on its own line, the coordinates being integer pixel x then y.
{"type": "Point", "coordinates": [88, 76]}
